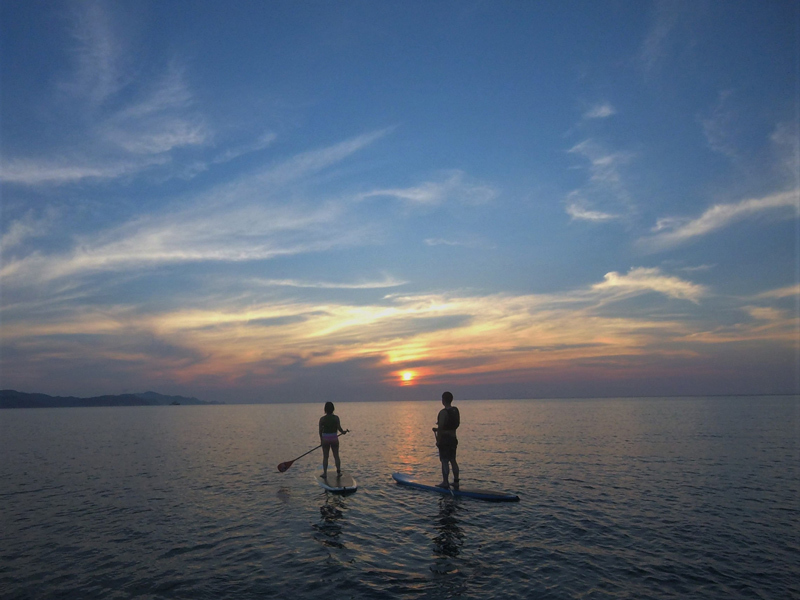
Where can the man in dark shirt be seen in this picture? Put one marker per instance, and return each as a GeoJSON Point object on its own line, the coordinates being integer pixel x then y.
{"type": "Point", "coordinates": [446, 440]}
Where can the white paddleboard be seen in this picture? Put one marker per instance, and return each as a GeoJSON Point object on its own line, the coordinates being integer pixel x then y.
{"type": "Point", "coordinates": [341, 484]}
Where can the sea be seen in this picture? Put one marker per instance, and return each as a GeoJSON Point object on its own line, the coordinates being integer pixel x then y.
{"type": "Point", "coordinates": [634, 498]}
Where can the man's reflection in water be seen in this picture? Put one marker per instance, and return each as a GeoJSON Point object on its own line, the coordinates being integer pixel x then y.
{"type": "Point", "coordinates": [448, 539]}
{"type": "Point", "coordinates": [450, 581]}
{"type": "Point", "coordinates": [328, 527]}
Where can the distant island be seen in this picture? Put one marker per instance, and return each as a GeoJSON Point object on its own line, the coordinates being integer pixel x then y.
{"type": "Point", "coordinates": [15, 399]}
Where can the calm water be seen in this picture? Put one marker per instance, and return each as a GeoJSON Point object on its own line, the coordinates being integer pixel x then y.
{"type": "Point", "coordinates": [647, 498]}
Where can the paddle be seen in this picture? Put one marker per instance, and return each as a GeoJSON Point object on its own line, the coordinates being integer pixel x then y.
{"type": "Point", "coordinates": [284, 466]}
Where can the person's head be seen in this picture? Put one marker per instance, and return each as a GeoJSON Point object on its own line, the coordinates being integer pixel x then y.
{"type": "Point", "coordinates": [329, 408]}
{"type": "Point", "coordinates": [447, 398]}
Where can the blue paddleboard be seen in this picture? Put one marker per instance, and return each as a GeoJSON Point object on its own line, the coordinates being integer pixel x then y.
{"type": "Point", "coordinates": [490, 495]}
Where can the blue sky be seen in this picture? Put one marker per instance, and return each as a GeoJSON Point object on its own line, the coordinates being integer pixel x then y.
{"type": "Point", "coordinates": [284, 201]}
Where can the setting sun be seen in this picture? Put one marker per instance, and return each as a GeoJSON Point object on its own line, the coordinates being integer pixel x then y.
{"type": "Point", "coordinates": [407, 377]}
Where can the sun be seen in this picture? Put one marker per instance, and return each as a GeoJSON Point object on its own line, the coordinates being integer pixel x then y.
{"type": "Point", "coordinates": [407, 377]}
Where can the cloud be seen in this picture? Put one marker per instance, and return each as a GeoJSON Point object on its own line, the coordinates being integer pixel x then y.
{"type": "Point", "coordinates": [454, 186]}
{"type": "Point", "coordinates": [786, 144]}
{"type": "Point", "coordinates": [261, 143]}
{"type": "Point", "coordinates": [439, 335]}
{"type": "Point", "coordinates": [126, 124]}
{"type": "Point", "coordinates": [161, 120]}
{"type": "Point", "coordinates": [678, 231]}
{"type": "Point", "coordinates": [24, 228]}
{"type": "Point", "coordinates": [99, 53]}
{"type": "Point", "coordinates": [579, 213]}
{"type": "Point", "coordinates": [386, 282]}
{"type": "Point", "coordinates": [59, 171]}
{"type": "Point", "coordinates": [720, 128]}
{"type": "Point", "coordinates": [671, 29]}
{"type": "Point", "coordinates": [246, 220]}
{"type": "Point", "coordinates": [641, 280]}
{"type": "Point", "coordinates": [785, 292]}
{"type": "Point", "coordinates": [605, 196]}
{"type": "Point", "coordinates": [159, 135]}
{"type": "Point", "coordinates": [443, 242]}
{"type": "Point", "coordinates": [765, 313]}
{"type": "Point", "coordinates": [603, 165]}
{"type": "Point", "coordinates": [310, 162]}
{"type": "Point", "coordinates": [696, 268]}
{"type": "Point", "coordinates": [230, 341]}
{"type": "Point", "coordinates": [232, 235]}
{"type": "Point", "coordinates": [600, 111]}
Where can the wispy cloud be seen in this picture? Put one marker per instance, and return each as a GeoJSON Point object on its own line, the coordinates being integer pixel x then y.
{"type": "Point", "coordinates": [600, 111]}
{"type": "Point", "coordinates": [126, 123]}
{"type": "Point", "coordinates": [674, 231]}
{"type": "Point", "coordinates": [229, 235]}
{"type": "Point", "coordinates": [720, 126]}
{"type": "Point", "coordinates": [27, 227]}
{"type": "Point", "coordinates": [765, 313]}
{"type": "Point", "coordinates": [578, 212]}
{"type": "Point", "coordinates": [454, 186]}
{"type": "Point", "coordinates": [313, 161]}
{"type": "Point", "coordinates": [98, 53]}
{"type": "Point", "coordinates": [641, 280]}
{"type": "Point", "coordinates": [696, 268]}
{"type": "Point", "coordinates": [603, 165]}
{"type": "Point", "coordinates": [261, 143]}
{"type": "Point", "coordinates": [786, 144]}
{"type": "Point", "coordinates": [163, 119]}
{"type": "Point", "coordinates": [785, 292]}
{"type": "Point", "coordinates": [461, 243]}
{"type": "Point", "coordinates": [386, 282]}
{"type": "Point", "coordinates": [671, 28]}
{"type": "Point", "coordinates": [246, 220]}
{"type": "Point", "coordinates": [65, 170]}
{"type": "Point", "coordinates": [605, 196]}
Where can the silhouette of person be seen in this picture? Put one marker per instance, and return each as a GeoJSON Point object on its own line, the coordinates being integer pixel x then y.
{"type": "Point", "coordinates": [329, 427]}
{"type": "Point", "coordinates": [448, 421]}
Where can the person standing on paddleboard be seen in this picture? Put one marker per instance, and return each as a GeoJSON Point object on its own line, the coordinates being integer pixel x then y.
{"type": "Point", "coordinates": [329, 428]}
{"type": "Point", "coordinates": [446, 440]}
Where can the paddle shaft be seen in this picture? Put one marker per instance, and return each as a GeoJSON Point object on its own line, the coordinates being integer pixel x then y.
{"type": "Point", "coordinates": [288, 463]}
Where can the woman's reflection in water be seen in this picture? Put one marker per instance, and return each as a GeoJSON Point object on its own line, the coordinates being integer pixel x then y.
{"type": "Point", "coordinates": [328, 527]}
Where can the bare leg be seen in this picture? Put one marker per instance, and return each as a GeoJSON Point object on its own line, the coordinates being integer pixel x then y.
{"type": "Point", "coordinates": [455, 470]}
{"type": "Point", "coordinates": [445, 473]}
{"type": "Point", "coordinates": [325, 449]}
{"type": "Point", "coordinates": [336, 459]}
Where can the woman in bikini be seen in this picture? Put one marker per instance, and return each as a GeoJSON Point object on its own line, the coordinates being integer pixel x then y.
{"type": "Point", "coordinates": [329, 430]}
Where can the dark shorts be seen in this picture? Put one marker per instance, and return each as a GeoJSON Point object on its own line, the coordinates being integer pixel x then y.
{"type": "Point", "coordinates": [447, 448]}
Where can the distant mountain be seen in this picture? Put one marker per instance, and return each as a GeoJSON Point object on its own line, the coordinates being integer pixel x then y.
{"type": "Point", "coordinates": [15, 399]}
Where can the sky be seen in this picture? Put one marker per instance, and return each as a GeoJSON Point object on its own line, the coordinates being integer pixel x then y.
{"type": "Point", "coordinates": [307, 201]}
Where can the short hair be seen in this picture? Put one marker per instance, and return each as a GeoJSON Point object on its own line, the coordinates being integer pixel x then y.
{"type": "Point", "coordinates": [329, 408]}
{"type": "Point", "coordinates": [447, 397]}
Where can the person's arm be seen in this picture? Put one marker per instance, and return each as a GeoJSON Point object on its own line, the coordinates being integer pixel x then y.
{"type": "Point", "coordinates": [339, 426]}
{"type": "Point", "coordinates": [438, 421]}
{"type": "Point", "coordinates": [320, 429]}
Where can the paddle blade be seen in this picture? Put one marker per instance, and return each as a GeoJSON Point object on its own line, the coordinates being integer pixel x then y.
{"type": "Point", "coordinates": [284, 466]}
